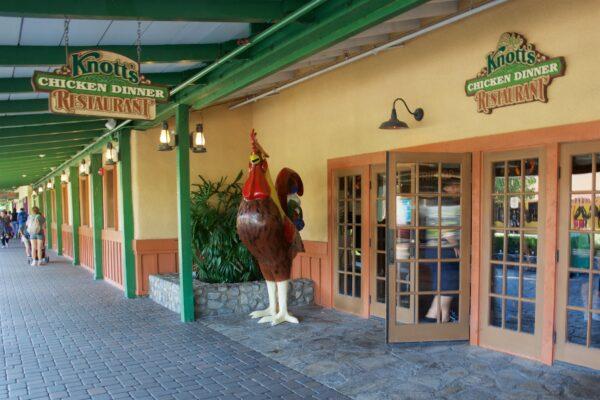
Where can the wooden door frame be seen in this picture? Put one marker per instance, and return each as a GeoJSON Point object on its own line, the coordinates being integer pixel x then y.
{"type": "Point", "coordinates": [499, 338]}
{"type": "Point", "coordinates": [442, 331]}
{"type": "Point", "coordinates": [354, 305]}
{"type": "Point", "coordinates": [565, 351]}
{"type": "Point", "coordinates": [375, 309]}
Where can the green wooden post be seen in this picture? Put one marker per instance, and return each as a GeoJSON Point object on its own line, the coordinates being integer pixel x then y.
{"type": "Point", "coordinates": [48, 215]}
{"type": "Point", "coordinates": [186, 290]}
{"type": "Point", "coordinates": [59, 216]}
{"type": "Point", "coordinates": [126, 212]}
{"type": "Point", "coordinates": [75, 211]}
{"type": "Point", "coordinates": [97, 218]}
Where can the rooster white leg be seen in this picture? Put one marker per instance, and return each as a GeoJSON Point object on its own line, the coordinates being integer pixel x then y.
{"type": "Point", "coordinates": [283, 315]}
{"type": "Point", "coordinates": [272, 309]}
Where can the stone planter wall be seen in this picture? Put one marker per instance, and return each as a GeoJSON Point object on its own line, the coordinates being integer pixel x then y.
{"type": "Point", "coordinates": [225, 298]}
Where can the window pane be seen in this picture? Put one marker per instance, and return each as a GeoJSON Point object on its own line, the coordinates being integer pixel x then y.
{"type": "Point", "coordinates": [357, 212]}
{"type": "Point", "coordinates": [499, 179]}
{"type": "Point", "coordinates": [498, 245]}
{"type": "Point", "coordinates": [512, 280]}
{"type": "Point", "coordinates": [450, 311]}
{"type": "Point", "coordinates": [428, 178]}
{"type": "Point", "coordinates": [381, 211]}
{"type": "Point", "coordinates": [450, 211]}
{"type": "Point", "coordinates": [357, 286]}
{"type": "Point", "coordinates": [341, 289]}
{"type": "Point", "coordinates": [381, 238]}
{"type": "Point", "coordinates": [380, 291]}
{"type": "Point", "coordinates": [497, 280]}
{"type": "Point", "coordinates": [349, 285]}
{"type": "Point", "coordinates": [428, 211]}
{"type": "Point", "coordinates": [595, 337]}
{"type": "Point", "coordinates": [381, 264]}
{"type": "Point", "coordinates": [576, 327]}
{"type": "Point", "coordinates": [498, 211]}
{"type": "Point", "coordinates": [578, 289]}
{"type": "Point", "coordinates": [530, 245]}
{"type": "Point", "coordinates": [404, 210]}
{"type": "Point", "coordinates": [405, 244]}
{"type": "Point", "coordinates": [381, 185]}
{"type": "Point", "coordinates": [527, 317]}
{"type": "Point", "coordinates": [530, 211]}
{"type": "Point", "coordinates": [428, 277]}
{"type": "Point", "coordinates": [529, 282]}
{"type": "Point", "coordinates": [511, 311]}
{"type": "Point", "coordinates": [357, 187]}
{"type": "Point", "coordinates": [428, 243]}
{"type": "Point", "coordinates": [451, 178]}
{"type": "Point", "coordinates": [496, 311]}
{"type": "Point", "coordinates": [341, 188]}
{"type": "Point", "coordinates": [450, 275]}
{"type": "Point", "coordinates": [450, 243]}
{"type": "Point", "coordinates": [531, 175]}
{"type": "Point", "coordinates": [513, 249]}
{"type": "Point", "coordinates": [514, 211]}
{"type": "Point", "coordinates": [596, 292]}
{"type": "Point", "coordinates": [581, 211]}
{"type": "Point", "coordinates": [514, 176]}
{"type": "Point", "coordinates": [404, 178]}
{"type": "Point", "coordinates": [404, 271]}
{"type": "Point", "coordinates": [581, 172]}
{"type": "Point", "coordinates": [580, 250]}
{"type": "Point", "coordinates": [429, 309]}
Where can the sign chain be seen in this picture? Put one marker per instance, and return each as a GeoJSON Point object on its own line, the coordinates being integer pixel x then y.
{"type": "Point", "coordinates": [139, 42]}
{"type": "Point", "coordinates": [66, 37]}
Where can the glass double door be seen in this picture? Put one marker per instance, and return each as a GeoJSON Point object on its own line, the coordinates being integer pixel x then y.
{"type": "Point", "coordinates": [578, 286]}
{"type": "Point", "coordinates": [428, 246]}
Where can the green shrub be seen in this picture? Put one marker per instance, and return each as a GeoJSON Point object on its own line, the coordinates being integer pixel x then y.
{"type": "Point", "coordinates": [219, 255]}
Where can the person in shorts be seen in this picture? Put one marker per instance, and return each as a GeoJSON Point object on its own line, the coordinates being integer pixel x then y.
{"type": "Point", "coordinates": [35, 228]}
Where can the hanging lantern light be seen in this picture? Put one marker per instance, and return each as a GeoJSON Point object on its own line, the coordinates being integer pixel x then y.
{"type": "Point", "coordinates": [84, 169]}
{"type": "Point", "coordinates": [49, 185]}
{"type": "Point", "coordinates": [110, 155]}
{"type": "Point", "coordinates": [64, 178]}
{"type": "Point", "coordinates": [40, 189]}
{"type": "Point", "coordinates": [165, 138]}
{"type": "Point", "coordinates": [198, 140]}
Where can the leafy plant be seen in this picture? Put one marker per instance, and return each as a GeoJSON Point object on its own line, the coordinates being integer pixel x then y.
{"type": "Point", "coordinates": [220, 256]}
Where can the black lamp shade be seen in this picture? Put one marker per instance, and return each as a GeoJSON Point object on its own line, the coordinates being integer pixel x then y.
{"type": "Point", "coordinates": [393, 122]}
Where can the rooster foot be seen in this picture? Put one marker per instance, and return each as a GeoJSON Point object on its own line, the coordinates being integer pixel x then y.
{"type": "Point", "coordinates": [265, 319]}
{"type": "Point", "coordinates": [261, 313]}
{"type": "Point", "coordinates": [279, 318]}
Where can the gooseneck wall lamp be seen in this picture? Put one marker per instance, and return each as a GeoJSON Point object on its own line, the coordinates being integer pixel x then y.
{"type": "Point", "coordinates": [395, 123]}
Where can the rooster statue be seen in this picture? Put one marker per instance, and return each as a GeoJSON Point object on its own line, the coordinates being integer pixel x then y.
{"type": "Point", "coordinates": [268, 223]}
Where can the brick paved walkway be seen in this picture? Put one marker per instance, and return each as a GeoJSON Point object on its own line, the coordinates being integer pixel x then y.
{"type": "Point", "coordinates": [63, 335]}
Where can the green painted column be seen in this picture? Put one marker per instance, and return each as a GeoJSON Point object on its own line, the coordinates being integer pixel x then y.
{"type": "Point", "coordinates": [59, 216]}
{"type": "Point", "coordinates": [48, 215]}
{"type": "Point", "coordinates": [97, 217]}
{"type": "Point", "coordinates": [75, 210]}
{"type": "Point", "coordinates": [126, 212]}
{"type": "Point", "coordinates": [186, 290]}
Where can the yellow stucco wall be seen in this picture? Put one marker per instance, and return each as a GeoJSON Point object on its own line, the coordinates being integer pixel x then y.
{"type": "Point", "coordinates": [154, 181]}
{"type": "Point", "coordinates": [338, 114]}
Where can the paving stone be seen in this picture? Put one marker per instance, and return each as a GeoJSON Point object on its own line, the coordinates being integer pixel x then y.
{"type": "Point", "coordinates": [64, 335]}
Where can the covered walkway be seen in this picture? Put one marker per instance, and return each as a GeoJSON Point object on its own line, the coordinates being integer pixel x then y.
{"type": "Point", "coordinates": [64, 335]}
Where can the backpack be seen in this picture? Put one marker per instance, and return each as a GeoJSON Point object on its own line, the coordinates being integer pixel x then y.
{"type": "Point", "coordinates": [34, 227]}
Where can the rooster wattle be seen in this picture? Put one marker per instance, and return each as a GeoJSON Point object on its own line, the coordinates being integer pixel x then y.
{"type": "Point", "coordinates": [268, 221]}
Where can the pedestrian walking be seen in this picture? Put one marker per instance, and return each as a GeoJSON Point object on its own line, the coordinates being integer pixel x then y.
{"type": "Point", "coordinates": [4, 228]}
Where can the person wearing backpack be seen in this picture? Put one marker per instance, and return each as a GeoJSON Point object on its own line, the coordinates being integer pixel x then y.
{"type": "Point", "coordinates": [35, 228]}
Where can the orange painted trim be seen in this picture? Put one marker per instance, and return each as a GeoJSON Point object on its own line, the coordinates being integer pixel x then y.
{"type": "Point", "coordinates": [550, 247]}
{"type": "Point", "coordinates": [153, 257]}
{"type": "Point", "coordinates": [476, 217]}
{"type": "Point", "coordinates": [86, 247]}
{"type": "Point", "coordinates": [112, 235]}
{"type": "Point", "coordinates": [144, 246]}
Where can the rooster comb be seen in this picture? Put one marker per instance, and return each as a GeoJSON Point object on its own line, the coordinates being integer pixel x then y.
{"type": "Point", "coordinates": [256, 147]}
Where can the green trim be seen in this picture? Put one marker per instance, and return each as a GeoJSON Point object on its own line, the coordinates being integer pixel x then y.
{"type": "Point", "coordinates": [126, 212]}
{"type": "Point", "coordinates": [14, 121]}
{"type": "Point", "coordinates": [50, 129]}
{"type": "Point", "coordinates": [55, 55]}
{"type": "Point", "coordinates": [75, 210]}
{"type": "Point", "coordinates": [48, 215]}
{"type": "Point", "coordinates": [186, 290]}
{"type": "Point", "coordinates": [97, 217]}
{"type": "Point", "coordinates": [53, 138]}
{"type": "Point", "coordinates": [144, 10]}
{"type": "Point", "coordinates": [23, 106]}
{"type": "Point", "coordinates": [59, 216]}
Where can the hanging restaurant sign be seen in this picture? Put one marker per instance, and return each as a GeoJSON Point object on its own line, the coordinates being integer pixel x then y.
{"type": "Point", "coordinates": [100, 83]}
{"type": "Point", "coordinates": [515, 73]}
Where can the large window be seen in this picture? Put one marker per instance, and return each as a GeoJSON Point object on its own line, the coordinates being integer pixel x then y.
{"type": "Point", "coordinates": [111, 212]}
{"type": "Point", "coordinates": [84, 200]}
